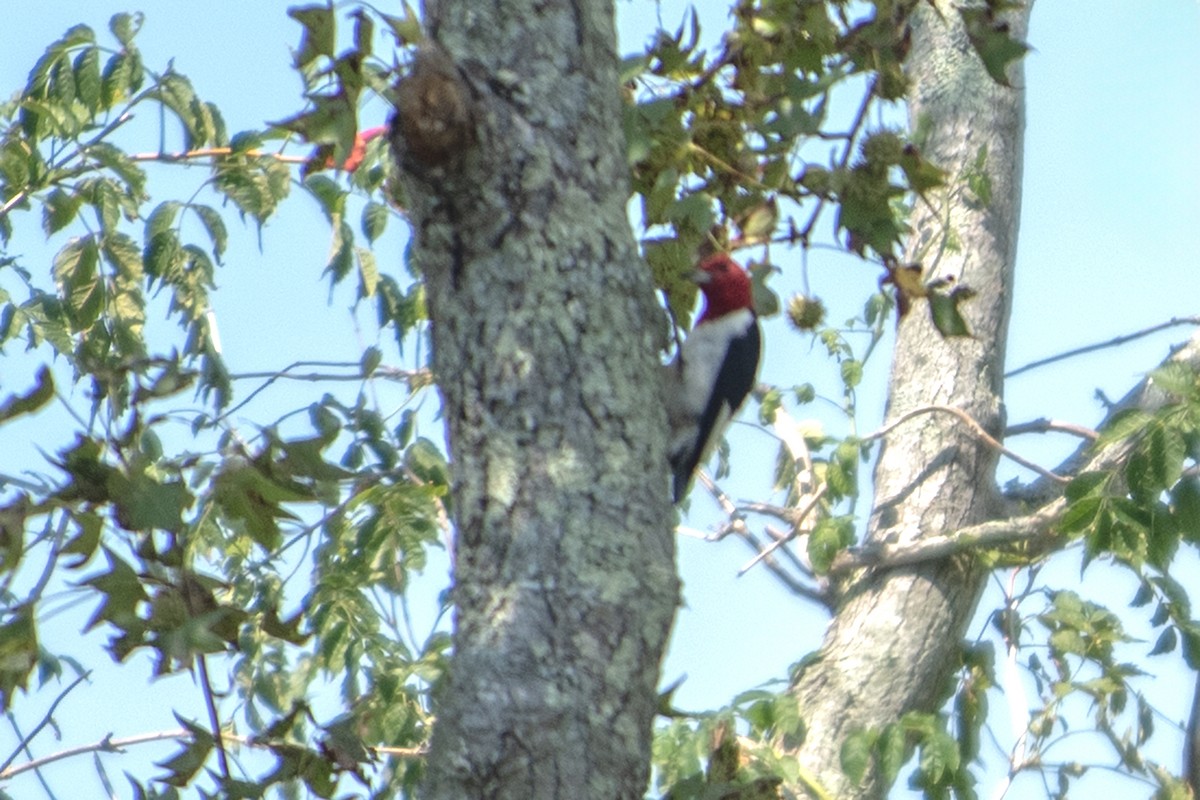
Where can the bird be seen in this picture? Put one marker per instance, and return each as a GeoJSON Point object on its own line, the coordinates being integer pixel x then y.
{"type": "Point", "coordinates": [715, 370]}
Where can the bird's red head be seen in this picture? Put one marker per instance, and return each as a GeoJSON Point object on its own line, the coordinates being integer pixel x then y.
{"type": "Point", "coordinates": [726, 286]}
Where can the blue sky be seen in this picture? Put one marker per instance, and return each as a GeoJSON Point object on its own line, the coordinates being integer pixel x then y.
{"type": "Point", "coordinates": [1109, 216]}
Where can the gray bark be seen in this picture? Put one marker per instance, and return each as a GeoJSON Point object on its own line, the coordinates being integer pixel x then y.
{"type": "Point", "coordinates": [896, 635]}
{"type": "Point", "coordinates": [546, 350]}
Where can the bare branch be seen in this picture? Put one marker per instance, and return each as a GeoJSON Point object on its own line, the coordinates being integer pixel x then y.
{"type": "Point", "coordinates": [994, 533]}
{"type": "Point", "coordinates": [23, 745]}
{"type": "Point", "coordinates": [105, 745]}
{"type": "Point", "coordinates": [1114, 342]}
{"type": "Point", "coordinates": [214, 719]}
{"type": "Point", "coordinates": [1044, 425]}
{"type": "Point", "coordinates": [737, 525]}
{"type": "Point", "coordinates": [779, 542]}
{"type": "Point", "coordinates": [975, 428]}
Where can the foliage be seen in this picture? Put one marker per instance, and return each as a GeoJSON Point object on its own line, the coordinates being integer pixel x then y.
{"type": "Point", "coordinates": [278, 556]}
{"type": "Point", "coordinates": [283, 556]}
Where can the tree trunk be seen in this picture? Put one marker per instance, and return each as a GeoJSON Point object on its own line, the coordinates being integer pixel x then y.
{"type": "Point", "coordinates": [546, 350]}
{"type": "Point", "coordinates": [895, 639]}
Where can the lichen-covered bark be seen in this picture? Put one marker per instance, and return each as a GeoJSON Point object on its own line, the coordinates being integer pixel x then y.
{"type": "Point", "coordinates": [895, 638]}
{"type": "Point", "coordinates": [545, 350]}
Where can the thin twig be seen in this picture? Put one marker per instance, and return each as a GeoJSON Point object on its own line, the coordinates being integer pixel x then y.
{"type": "Point", "coordinates": [46, 718]}
{"type": "Point", "coordinates": [214, 152]}
{"type": "Point", "coordinates": [799, 518]}
{"type": "Point", "coordinates": [105, 745]}
{"type": "Point", "coordinates": [1115, 342]}
{"type": "Point", "coordinates": [737, 525]}
{"type": "Point", "coordinates": [975, 428]}
{"type": "Point", "coordinates": [214, 719]}
{"type": "Point", "coordinates": [855, 128]}
{"type": "Point", "coordinates": [1044, 425]}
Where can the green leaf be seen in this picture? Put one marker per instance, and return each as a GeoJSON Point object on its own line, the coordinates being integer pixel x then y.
{"type": "Point", "coordinates": [144, 504]}
{"type": "Point", "coordinates": [184, 765]}
{"type": "Point", "coordinates": [319, 32]}
{"type": "Point", "coordinates": [163, 255]}
{"type": "Point", "coordinates": [406, 29]}
{"type": "Point", "coordinates": [829, 537]}
{"type": "Point", "coordinates": [427, 463]}
{"type": "Point", "coordinates": [1186, 502]}
{"type": "Point", "coordinates": [214, 224]}
{"type": "Point", "coordinates": [855, 755]}
{"type": "Point", "coordinates": [1167, 641]}
{"type": "Point", "coordinates": [943, 309]}
{"type": "Point", "coordinates": [17, 404]}
{"type": "Point", "coordinates": [892, 752]}
{"type": "Point", "coordinates": [59, 209]}
{"type": "Point", "coordinates": [852, 372]}
{"type": "Point", "coordinates": [341, 252]}
{"type": "Point", "coordinates": [175, 92]}
{"type": "Point", "coordinates": [13, 518]}
{"type": "Point", "coordinates": [1080, 515]}
{"type": "Point", "coordinates": [124, 167]}
{"type": "Point", "coordinates": [161, 219]}
{"type": "Point", "coordinates": [368, 272]}
{"type": "Point", "coordinates": [122, 252]}
{"type": "Point", "coordinates": [992, 40]}
{"type": "Point", "coordinates": [87, 78]}
{"type": "Point", "coordinates": [18, 652]}
{"type": "Point", "coordinates": [1177, 379]}
{"type": "Point", "coordinates": [122, 592]}
{"type": "Point", "coordinates": [374, 220]}
{"type": "Point", "coordinates": [329, 194]}
{"type": "Point", "coordinates": [119, 79]}
{"type": "Point", "coordinates": [364, 32]}
{"type": "Point", "coordinates": [125, 26]}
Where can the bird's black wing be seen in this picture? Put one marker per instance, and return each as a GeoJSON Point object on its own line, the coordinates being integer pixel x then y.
{"type": "Point", "coordinates": [733, 384]}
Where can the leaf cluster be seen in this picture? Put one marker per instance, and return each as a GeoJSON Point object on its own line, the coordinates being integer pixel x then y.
{"type": "Point", "coordinates": [282, 556]}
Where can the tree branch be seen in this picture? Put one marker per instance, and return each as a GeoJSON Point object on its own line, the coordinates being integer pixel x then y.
{"type": "Point", "coordinates": [105, 745]}
{"type": "Point", "coordinates": [45, 720]}
{"type": "Point", "coordinates": [993, 533]}
{"type": "Point", "coordinates": [975, 428]}
{"type": "Point", "coordinates": [1114, 342]}
{"type": "Point", "coordinates": [737, 525]}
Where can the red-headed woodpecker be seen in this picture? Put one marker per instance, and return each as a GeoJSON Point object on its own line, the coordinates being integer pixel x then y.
{"type": "Point", "coordinates": [716, 368]}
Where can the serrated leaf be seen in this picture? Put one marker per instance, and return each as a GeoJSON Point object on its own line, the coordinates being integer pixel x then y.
{"type": "Point", "coordinates": [368, 272]}
{"type": "Point", "coordinates": [62, 82]}
{"type": "Point", "coordinates": [891, 753]}
{"type": "Point", "coordinates": [116, 82]}
{"type": "Point", "coordinates": [87, 78]}
{"type": "Point", "coordinates": [161, 219]}
{"type": "Point", "coordinates": [125, 26]}
{"type": "Point", "coordinates": [59, 210]}
{"type": "Point", "coordinates": [176, 93]}
{"type": "Point", "coordinates": [374, 220]}
{"type": "Point", "coordinates": [162, 255]}
{"type": "Point", "coordinates": [855, 755]}
{"type": "Point", "coordinates": [214, 224]}
{"type": "Point", "coordinates": [120, 163]}
{"type": "Point", "coordinates": [328, 193]}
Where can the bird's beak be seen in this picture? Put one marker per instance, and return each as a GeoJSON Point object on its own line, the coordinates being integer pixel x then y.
{"type": "Point", "coordinates": [700, 276]}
